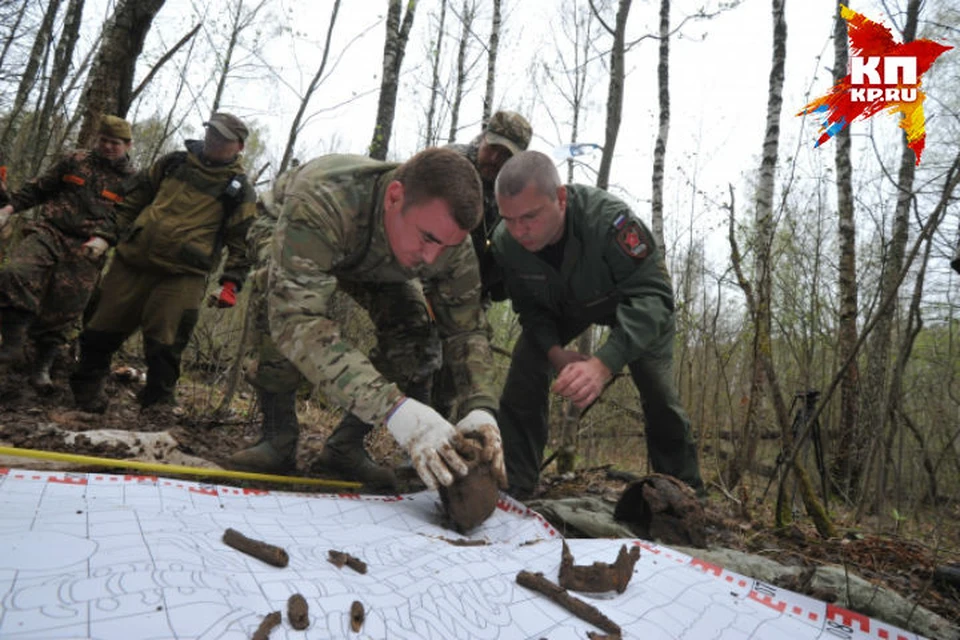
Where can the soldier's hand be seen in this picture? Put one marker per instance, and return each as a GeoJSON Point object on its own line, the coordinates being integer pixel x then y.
{"type": "Point", "coordinates": [95, 247]}
{"type": "Point", "coordinates": [225, 297]}
{"type": "Point", "coordinates": [582, 382]}
{"type": "Point", "coordinates": [5, 213]}
{"type": "Point", "coordinates": [560, 357]}
{"type": "Point", "coordinates": [484, 424]}
{"type": "Point", "coordinates": [428, 438]}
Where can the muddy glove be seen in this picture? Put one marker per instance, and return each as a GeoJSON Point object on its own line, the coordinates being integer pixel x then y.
{"type": "Point", "coordinates": [485, 425]}
{"type": "Point", "coordinates": [5, 213]}
{"type": "Point", "coordinates": [94, 247]}
{"type": "Point", "coordinates": [428, 438]}
{"type": "Point", "coordinates": [226, 297]}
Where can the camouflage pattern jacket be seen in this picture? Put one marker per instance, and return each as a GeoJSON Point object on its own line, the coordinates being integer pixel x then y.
{"type": "Point", "coordinates": [490, 274]}
{"type": "Point", "coordinates": [176, 218]}
{"type": "Point", "coordinates": [78, 195]}
{"type": "Point", "coordinates": [611, 273]}
{"type": "Point", "coordinates": [331, 228]}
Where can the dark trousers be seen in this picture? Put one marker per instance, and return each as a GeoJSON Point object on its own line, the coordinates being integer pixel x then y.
{"type": "Point", "coordinates": [525, 403]}
{"type": "Point", "coordinates": [165, 307]}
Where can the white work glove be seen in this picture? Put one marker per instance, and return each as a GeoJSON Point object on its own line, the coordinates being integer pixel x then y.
{"type": "Point", "coordinates": [94, 247]}
{"type": "Point", "coordinates": [428, 438]}
{"type": "Point", "coordinates": [5, 213]}
{"type": "Point", "coordinates": [483, 423]}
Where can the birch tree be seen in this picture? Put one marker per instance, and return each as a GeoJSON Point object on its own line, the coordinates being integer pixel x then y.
{"type": "Point", "coordinates": [394, 46]}
{"type": "Point", "coordinates": [110, 83]}
{"type": "Point", "coordinates": [34, 63]}
{"type": "Point", "coordinates": [615, 88]}
{"type": "Point", "coordinates": [493, 49]}
{"type": "Point", "coordinates": [849, 435]}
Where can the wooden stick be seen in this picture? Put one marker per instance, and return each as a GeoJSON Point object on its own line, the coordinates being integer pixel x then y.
{"type": "Point", "coordinates": [259, 550]}
{"type": "Point", "coordinates": [579, 608]}
{"type": "Point", "coordinates": [269, 622]}
{"type": "Point", "coordinates": [339, 558]}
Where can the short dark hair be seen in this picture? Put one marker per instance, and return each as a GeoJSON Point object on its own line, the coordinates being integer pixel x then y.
{"type": "Point", "coordinates": [445, 174]}
{"type": "Point", "coordinates": [528, 167]}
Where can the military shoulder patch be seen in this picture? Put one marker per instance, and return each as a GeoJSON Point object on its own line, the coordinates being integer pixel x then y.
{"type": "Point", "coordinates": [633, 241]}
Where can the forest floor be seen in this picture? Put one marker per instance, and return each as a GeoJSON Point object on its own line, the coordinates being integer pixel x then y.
{"type": "Point", "coordinates": [902, 560]}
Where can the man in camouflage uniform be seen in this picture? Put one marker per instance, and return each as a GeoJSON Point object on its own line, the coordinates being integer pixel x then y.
{"type": "Point", "coordinates": [507, 133]}
{"type": "Point", "coordinates": [574, 256]}
{"type": "Point", "coordinates": [182, 212]}
{"type": "Point", "coordinates": [50, 274]}
{"type": "Point", "coordinates": [376, 230]}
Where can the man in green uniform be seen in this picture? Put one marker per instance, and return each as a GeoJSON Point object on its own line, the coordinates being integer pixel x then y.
{"type": "Point", "coordinates": [182, 212]}
{"type": "Point", "coordinates": [376, 230]}
{"type": "Point", "coordinates": [574, 256]}
{"type": "Point", "coordinates": [51, 273]}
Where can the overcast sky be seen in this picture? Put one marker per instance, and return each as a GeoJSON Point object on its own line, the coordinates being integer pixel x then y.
{"type": "Point", "coordinates": [718, 80]}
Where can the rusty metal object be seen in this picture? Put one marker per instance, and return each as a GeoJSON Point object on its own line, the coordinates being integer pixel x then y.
{"type": "Point", "coordinates": [339, 559]}
{"type": "Point", "coordinates": [357, 616]}
{"type": "Point", "coordinates": [298, 612]}
{"type": "Point", "coordinates": [470, 500]}
{"type": "Point", "coordinates": [599, 577]}
{"type": "Point", "coordinates": [260, 550]}
{"type": "Point", "coordinates": [660, 507]}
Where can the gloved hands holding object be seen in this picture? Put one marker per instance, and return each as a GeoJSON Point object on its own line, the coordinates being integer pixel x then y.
{"type": "Point", "coordinates": [483, 423]}
{"type": "Point", "coordinates": [428, 438]}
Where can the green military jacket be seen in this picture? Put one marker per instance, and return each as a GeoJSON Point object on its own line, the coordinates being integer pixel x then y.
{"type": "Point", "coordinates": [611, 273]}
{"type": "Point", "coordinates": [78, 194]}
{"type": "Point", "coordinates": [176, 218]}
{"type": "Point", "coordinates": [331, 228]}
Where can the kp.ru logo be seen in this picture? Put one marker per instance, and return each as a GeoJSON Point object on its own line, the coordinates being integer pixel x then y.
{"type": "Point", "coordinates": [883, 75]}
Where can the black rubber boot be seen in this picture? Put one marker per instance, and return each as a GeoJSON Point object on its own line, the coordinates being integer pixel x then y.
{"type": "Point", "coordinates": [163, 371]}
{"type": "Point", "coordinates": [13, 332]}
{"type": "Point", "coordinates": [277, 450]}
{"type": "Point", "coordinates": [88, 381]}
{"type": "Point", "coordinates": [42, 362]}
{"type": "Point", "coordinates": [344, 454]}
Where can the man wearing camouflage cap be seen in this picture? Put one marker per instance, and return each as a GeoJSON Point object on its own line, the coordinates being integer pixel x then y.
{"type": "Point", "coordinates": [377, 231]}
{"type": "Point", "coordinates": [181, 214]}
{"type": "Point", "coordinates": [505, 134]}
{"type": "Point", "coordinates": [51, 273]}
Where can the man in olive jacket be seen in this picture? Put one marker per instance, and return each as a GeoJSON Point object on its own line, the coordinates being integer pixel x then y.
{"type": "Point", "coordinates": [52, 271]}
{"type": "Point", "coordinates": [574, 256]}
{"type": "Point", "coordinates": [182, 212]}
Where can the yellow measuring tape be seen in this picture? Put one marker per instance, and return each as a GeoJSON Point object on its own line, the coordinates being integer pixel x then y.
{"type": "Point", "coordinates": [161, 468]}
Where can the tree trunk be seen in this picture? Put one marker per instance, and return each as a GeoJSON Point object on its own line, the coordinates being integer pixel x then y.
{"type": "Point", "coordinates": [12, 36]}
{"type": "Point", "coordinates": [615, 91]}
{"type": "Point", "coordinates": [37, 53]}
{"type": "Point", "coordinates": [394, 46]}
{"type": "Point", "coordinates": [110, 83]}
{"type": "Point", "coordinates": [874, 397]}
{"type": "Point", "coordinates": [466, 23]}
{"type": "Point", "coordinates": [62, 61]}
{"type": "Point", "coordinates": [663, 131]}
{"type": "Point", "coordinates": [493, 47]}
{"type": "Point", "coordinates": [295, 126]}
{"type": "Point", "coordinates": [849, 430]}
{"type": "Point", "coordinates": [431, 135]}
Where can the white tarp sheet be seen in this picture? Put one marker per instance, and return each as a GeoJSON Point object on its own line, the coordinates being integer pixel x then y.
{"type": "Point", "coordinates": [112, 557]}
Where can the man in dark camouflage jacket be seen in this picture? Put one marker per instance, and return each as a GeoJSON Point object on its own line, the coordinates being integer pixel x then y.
{"type": "Point", "coordinates": [52, 271]}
